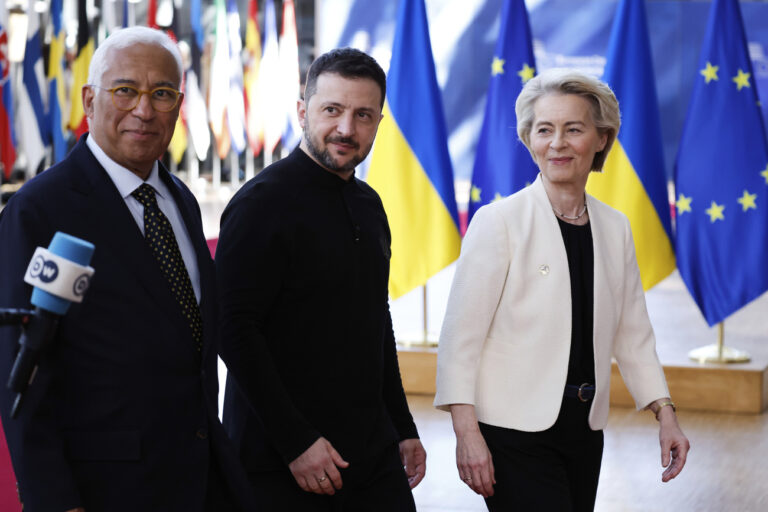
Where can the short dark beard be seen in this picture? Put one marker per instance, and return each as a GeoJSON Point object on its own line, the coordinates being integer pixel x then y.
{"type": "Point", "coordinates": [324, 156]}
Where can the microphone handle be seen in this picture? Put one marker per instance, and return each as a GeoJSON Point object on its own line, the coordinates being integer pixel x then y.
{"type": "Point", "coordinates": [33, 341]}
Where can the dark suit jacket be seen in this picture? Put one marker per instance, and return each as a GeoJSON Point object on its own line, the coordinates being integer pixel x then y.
{"type": "Point", "coordinates": [123, 413]}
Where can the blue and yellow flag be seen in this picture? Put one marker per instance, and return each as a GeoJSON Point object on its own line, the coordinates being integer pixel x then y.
{"type": "Point", "coordinates": [57, 96]}
{"type": "Point", "coordinates": [502, 163]}
{"type": "Point", "coordinates": [722, 175]}
{"type": "Point", "coordinates": [78, 122]}
{"type": "Point", "coordinates": [410, 167]}
{"type": "Point", "coordinates": [633, 178]}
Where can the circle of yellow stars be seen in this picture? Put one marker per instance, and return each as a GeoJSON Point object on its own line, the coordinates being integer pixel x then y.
{"type": "Point", "coordinates": [747, 200]}
{"type": "Point", "coordinates": [158, 233]}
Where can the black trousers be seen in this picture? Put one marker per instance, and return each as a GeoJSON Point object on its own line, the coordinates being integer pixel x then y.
{"type": "Point", "coordinates": [554, 470]}
{"type": "Point", "coordinates": [218, 497]}
{"type": "Point", "coordinates": [375, 485]}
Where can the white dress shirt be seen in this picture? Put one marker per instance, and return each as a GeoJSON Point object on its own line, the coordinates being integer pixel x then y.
{"type": "Point", "coordinates": [126, 182]}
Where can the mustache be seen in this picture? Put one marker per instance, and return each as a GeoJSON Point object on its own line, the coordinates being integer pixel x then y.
{"type": "Point", "coordinates": [343, 140]}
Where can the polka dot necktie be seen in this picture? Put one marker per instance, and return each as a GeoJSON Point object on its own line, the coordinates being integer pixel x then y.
{"type": "Point", "coordinates": [159, 235]}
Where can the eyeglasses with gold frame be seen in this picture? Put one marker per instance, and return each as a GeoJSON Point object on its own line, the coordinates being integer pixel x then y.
{"type": "Point", "coordinates": [127, 97]}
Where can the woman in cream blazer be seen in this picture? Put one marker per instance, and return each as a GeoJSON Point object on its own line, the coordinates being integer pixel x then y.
{"type": "Point", "coordinates": [507, 349]}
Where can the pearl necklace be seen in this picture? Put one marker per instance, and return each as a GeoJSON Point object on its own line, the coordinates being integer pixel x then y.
{"type": "Point", "coordinates": [568, 217]}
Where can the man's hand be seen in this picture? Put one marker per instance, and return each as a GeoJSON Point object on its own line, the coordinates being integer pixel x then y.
{"type": "Point", "coordinates": [414, 459]}
{"type": "Point", "coordinates": [316, 471]}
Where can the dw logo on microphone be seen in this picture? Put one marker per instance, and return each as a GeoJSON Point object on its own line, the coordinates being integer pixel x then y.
{"type": "Point", "coordinates": [45, 270]}
{"type": "Point", "coordinates": [81, 285]}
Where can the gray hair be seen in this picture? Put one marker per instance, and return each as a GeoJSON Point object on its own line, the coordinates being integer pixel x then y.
{"type": "Point", "coordinates": [605, 106]}
{"type": "Point", "coordinates": [125, 37]}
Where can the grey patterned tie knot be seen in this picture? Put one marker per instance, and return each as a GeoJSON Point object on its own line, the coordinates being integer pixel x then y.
{"type": "Point", "coordinates": [159, 235]}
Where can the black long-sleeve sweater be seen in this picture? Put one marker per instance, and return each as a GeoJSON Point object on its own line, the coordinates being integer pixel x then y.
{"type": "Point", "coordinates": [302, 265]}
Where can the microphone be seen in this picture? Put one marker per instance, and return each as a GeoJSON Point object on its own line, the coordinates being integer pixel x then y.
{"type": "Point", "coordinates": [60, 276]}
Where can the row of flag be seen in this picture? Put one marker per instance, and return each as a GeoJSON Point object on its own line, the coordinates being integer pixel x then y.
{"type": "Point", "coordinates": [721, 174]}
{"type": "Point", "coordinates": [251, 94]}
{"type": "Point", "coordinates": [721, 171]}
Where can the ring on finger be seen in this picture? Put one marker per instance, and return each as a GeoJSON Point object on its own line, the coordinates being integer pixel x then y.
{"type": "Point", "coordinates": [322, 479]}
{"type": "Point", "coordinates": [468, 479]}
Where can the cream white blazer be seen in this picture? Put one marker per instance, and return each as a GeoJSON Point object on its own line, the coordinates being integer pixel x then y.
{"type": "Point", "coordinates": [506, 337]}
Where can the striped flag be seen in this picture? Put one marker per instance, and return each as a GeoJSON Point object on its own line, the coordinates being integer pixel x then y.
{"type": "Point", "coordinates": [253, 114]}
{"type": "Point", "coordinates": [503, 165]}
{"type": "Point", "coordinates": [57, 100]}
{"type": "Point", "coordinates": [31, 125]}
{"type": "Point", "coordinates": [633, 178]}
{"type": "Point", "coordinates": [289, 76]}
{"type": "Point", "coordinates": [411, 168]}
{"type": "Point", "coordinates": [236, 98]}
{"type": "Point", "coordinates": [7, 143]}
{"type": "Point", "coordinates": [178, 144]}
{"type": "Point", "coordinates": [269, 87]}
{"type": "Point", "coordinates": [78, 123]}
{"type": "Point", "coordinates": [218, 90]}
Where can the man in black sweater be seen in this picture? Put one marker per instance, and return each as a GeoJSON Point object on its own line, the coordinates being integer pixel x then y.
{"type": "Point", "coordinates": [314, 400]}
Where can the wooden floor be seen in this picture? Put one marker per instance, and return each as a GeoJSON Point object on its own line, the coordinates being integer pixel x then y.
{"type": "Point", "coordinates": [727, 469]}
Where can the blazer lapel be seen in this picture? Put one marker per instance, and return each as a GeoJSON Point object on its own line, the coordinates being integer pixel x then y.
{"type": "Point", "coordinates": [116, 231]}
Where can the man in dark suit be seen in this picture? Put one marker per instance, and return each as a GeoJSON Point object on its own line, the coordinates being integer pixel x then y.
{"type": "Point", "coordinates": [123, 412]}
{"type": "Point", "coordinates": [319, 413]}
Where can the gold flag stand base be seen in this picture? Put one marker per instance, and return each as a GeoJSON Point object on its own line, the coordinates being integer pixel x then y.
{"type": "Point", "coordinates": [718, 353]}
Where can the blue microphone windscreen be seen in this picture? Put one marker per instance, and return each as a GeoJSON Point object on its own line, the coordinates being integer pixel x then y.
{"type": "Point", "coordinates": [73, 249]}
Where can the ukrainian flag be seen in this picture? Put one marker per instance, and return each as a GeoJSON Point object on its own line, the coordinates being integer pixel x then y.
{"type": "Point", "coordinates": [633, 179]}
{"type": "Point", "coordinates": [57, 97]}
{"type": "Point", "coordinates": [410, 167]}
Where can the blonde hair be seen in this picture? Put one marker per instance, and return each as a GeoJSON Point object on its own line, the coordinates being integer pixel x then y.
{"type": "Point", "coordinates": [605, 106]}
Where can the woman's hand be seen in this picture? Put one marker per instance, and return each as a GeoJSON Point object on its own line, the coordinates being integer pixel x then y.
{"type": "Point", "coordinates": [473, 459]}
{"type": "Point", "coordinates": [674, 444]}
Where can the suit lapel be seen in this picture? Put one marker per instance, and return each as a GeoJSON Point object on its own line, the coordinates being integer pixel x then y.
{"type": "Point", "coordinates": [116, 232]}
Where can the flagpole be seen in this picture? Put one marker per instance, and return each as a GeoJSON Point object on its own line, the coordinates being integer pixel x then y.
{"type": "Point", "coordinates": [249, 164]}
{"type": "Point", "coordinates": [425, 341]}
{"type": "Point", "coordinates": [193, 166]}
{"type": "Point", "coordinates": [718, 353]}
{"type": "Point", "coordinates": [216, 170]}
{"type": "Point", "coordinates": [422, 340]}
{"type": "Point", "coordinates": [234, 173]}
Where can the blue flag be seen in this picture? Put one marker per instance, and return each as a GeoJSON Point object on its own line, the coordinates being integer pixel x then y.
{"type": "Point", "coordinates": [502, 163]}
{"type": "Point", "coordinates": [722, 175]}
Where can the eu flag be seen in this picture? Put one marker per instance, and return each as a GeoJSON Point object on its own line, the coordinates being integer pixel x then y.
{"type": "Point", "coordinates": [502, 163]}
{"type": "Point", "coordinates": [410, 166]}
{"type": "Point", "coordinates": [722, 175]}
{"type": "Point", "coordinates": [633, 178]}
